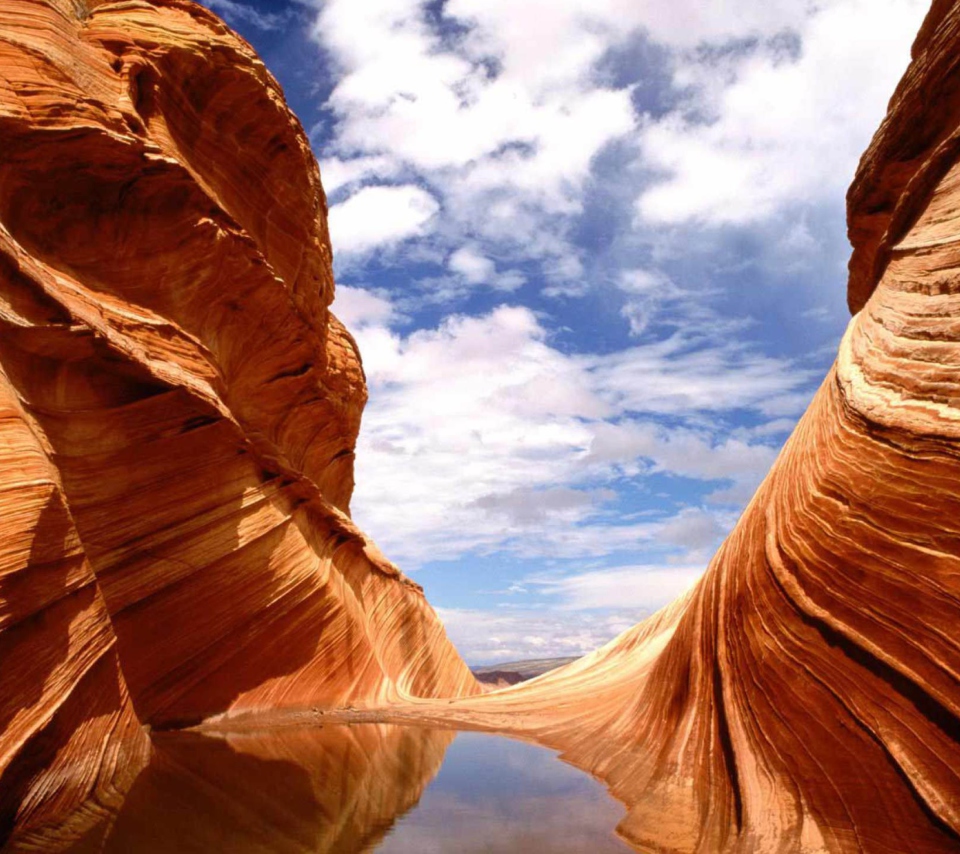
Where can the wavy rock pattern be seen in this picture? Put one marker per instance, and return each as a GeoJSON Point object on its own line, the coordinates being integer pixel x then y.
{"type": "Point", "coordinates": [177, 416]}
{"type": "Point", "coordinates": [805, 696]}
{"type": "Point", "coordinates": [178, 408]}
{"type": "Point", "coordinates": [62, 695]}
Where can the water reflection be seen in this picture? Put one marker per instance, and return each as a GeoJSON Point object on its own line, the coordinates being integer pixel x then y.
{"type": "Point", "coordinates": [493, 794]}
{"type": "Point", "coordinates": [349, 789]}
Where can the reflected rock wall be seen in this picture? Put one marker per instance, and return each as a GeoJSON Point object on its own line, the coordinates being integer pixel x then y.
{"type": "Point", "coordinates": [322, 790]}
{"type": "Point", "coordinates": [178, 408]}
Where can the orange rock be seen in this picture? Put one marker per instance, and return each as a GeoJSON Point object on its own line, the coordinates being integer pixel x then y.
{"type": "Point", "coordinates": [70, 743]}
{"type": "Point", "coordinates": [180, 407]}
{"type": "Point", "coordinates": [178, 410]}
{"type": "Point", "coordinates": [805, 696]}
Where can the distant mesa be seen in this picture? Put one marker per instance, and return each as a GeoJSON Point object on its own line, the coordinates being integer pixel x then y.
{"type": "Point", "coordinates": [178, 414]}
{"type": "Point", "coordinates": [513, 672]}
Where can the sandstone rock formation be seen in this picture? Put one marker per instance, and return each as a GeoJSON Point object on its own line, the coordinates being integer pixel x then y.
{"type": "Point", "coordinates": [178, 410]}
{"type": "Point", "coordinates": [805, 696]}
{"type": "Point", "coordinates": [177, 416]}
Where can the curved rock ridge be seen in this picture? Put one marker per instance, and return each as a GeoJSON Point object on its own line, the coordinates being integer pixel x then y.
{"type": "Point", "coordinates": [178, 411]}
{"type": "Point", "coordinates": [178, 408]}
{"type": "Point", "coordinates": [805, 695]}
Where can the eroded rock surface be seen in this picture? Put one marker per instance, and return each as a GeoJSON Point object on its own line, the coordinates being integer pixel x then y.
{"type": "Point", "coordinates": [805, 696]}
{"type": "Point", "coordinates": [177, 416]}
{"type": "Point", "coordinates": [178, 409]}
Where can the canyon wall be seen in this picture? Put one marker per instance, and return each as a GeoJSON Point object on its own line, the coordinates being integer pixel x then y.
{"type": "Point", "coordinates": [805, 696]}
{"type": "Point", "coordinates": [178, 409]}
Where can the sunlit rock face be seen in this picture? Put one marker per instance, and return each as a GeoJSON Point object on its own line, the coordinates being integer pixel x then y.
{"type": "Point", "coordinates": [70, 743]}
{"type": "Point", "coordinates": [178, 407]}
{"type": "Point", "coordinates": [178, 410]}
{"type": "Point", "coordinates": [805, 696]}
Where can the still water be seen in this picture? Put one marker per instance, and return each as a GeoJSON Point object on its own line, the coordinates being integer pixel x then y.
{"type": "Point", "coordinates": [364, 788]}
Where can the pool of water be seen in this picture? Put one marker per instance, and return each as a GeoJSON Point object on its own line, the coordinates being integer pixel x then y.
{"type": "Point", "coordinates": [494, 794]}
{"type": "Point", "coordinates": [363, 788]}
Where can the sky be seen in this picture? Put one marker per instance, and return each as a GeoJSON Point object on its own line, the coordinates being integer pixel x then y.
{"type": "Point", "coordinates": [594, 255]}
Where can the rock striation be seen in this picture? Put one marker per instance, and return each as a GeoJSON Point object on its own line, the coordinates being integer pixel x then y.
{"type": "Point", "coordinates": [805, 696]}
{"type": "Point", "coordinates": [178, 410]}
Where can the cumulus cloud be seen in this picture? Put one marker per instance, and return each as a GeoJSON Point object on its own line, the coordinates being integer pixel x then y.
{"type": "Point", "coordinates": [503, 108]}
{"type": "Point", "coordinates": [380, 216]}
{"type": "Point", "coordinates": [503, 125]}
{"type": "Point", "coordinates": [480, 435]}
{"type": "Point", "coordinates": [357, 308]}
{"type": "Point", "coordinates": [339, 173]}
{"type": "Point", "coordinates": [487, 637]}
{"type": "Point", "coordinates": [790, 125]}
{"type": "Point", "coordinates": [474, 267]}
{"type": "Point", "coordinates": [434, 101]}
{"type": "Point", "coordinates": [504, 112]}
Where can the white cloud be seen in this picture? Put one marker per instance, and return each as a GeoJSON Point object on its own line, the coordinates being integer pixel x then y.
{"type": "Point", "coordinates": [473, 266]}
{"type": "Point", "coordinates": [651, 296]}
{"type": "Point", "coordinates": [358, 307]}
{"type": "Point", "coordinates": [642, 281]}
{"type": "Point", "coordinates": [433, 103]}
{"type": "Point", "coordinates": [380, 216]}
{"type": "Point", "coordinates": [644, 588]}
{"type": "Point", "coordinates": [505, 128]}
{"type": "Point", "coordinates": [680, 375]}
{"type": "Point", "coordinates": [502, 108]}
{"type": "Point", "coordinates": [470, 268]}
{"type": "Point", "coordinates": [527, 506]}
{"type": "Point", "coordinates": [490, 636]}
{"type": "Point", "coordinates": [550, 40]}
{"type": "Point", "coordinates": [786, 131]}
{"type": "Point", "coordinates": [337, 173]}
{"type": "Point", "coordinates": [693, 528]}
{"type": "Point", "coordinates": [578, 614]}
{"type": "Point", "coordinates": [480, 435]}
{"type": "Point", "coordinates": [682, 451]}
{"type": "Point", "coordinates": [768, 428]}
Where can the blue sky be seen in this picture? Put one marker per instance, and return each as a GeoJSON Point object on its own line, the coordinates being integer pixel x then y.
{"type": "Point", "coordinates": [594, 255]}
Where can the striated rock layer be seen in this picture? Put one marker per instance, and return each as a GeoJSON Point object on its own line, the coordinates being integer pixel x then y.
{"type": "Point", "coordinates": [178, 409]}
{"type": "Point", "coordinates": [805, 696]}
{"type": "Point", "coordinates": [177, 416]}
